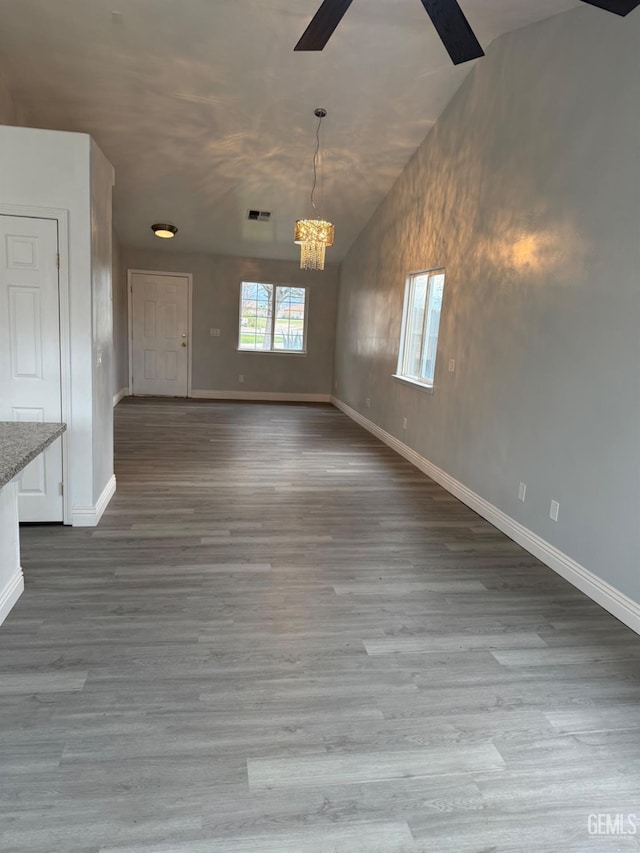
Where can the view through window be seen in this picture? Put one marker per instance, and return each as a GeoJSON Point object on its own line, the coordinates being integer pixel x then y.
{"type": "Point", "coordinates": [272, 317]}
{"type": "Point", "coordinates": [420, 326]}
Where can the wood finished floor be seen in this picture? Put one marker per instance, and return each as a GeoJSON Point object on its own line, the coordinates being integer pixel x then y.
{"type": "Point", "coordinates": [282, 638]}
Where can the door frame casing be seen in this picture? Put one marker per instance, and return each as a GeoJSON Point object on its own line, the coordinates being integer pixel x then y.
{"type": "Point", "coordinates": [189, 277]}
{"type": "Point", "coordinates": [61, 216]}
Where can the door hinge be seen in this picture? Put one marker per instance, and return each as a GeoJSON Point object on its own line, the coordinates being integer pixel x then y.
{"type": "Point", "coordinates": [58, 260]}
{"type": "Point", "coordinates": [61, 488]}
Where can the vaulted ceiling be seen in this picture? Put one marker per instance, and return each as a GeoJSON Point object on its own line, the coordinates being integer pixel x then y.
{"type": "Point", "coordinates": [205, 110]}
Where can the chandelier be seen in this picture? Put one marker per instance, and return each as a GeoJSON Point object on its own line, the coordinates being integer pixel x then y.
{"type": "Point", "coordinates": [314, 235]}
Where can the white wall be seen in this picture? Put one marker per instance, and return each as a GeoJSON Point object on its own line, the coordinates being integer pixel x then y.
{"type": "Point", "coordinates": [102, 180]}
{"type": "Point", "coordinates": [52, 169]}
{"type": "Point", "coordinates": [120, 372]}
{"type": "Point", "coordinates": [527, 192]}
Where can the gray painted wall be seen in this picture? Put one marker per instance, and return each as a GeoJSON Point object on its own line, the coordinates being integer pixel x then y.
{"type": "Point", "coordinates": [216, 294]}
{"type": "Point", "coordinates": [7, 107]}
{"type": "Point", "coordinates": [527, 191]}
{"type": "Point", "coordinates": [11, 110]}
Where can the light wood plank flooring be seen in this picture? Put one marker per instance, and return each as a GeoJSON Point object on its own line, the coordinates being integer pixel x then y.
{"type": "Point", "coordinates": [282, 638]}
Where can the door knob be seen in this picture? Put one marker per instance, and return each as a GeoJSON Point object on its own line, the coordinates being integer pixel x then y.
{"type": "Point", "coordinates": [184, 343]}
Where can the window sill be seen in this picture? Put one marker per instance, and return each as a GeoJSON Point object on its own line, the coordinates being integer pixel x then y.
{"type": "Point", "coordinates": [428, 389]}
{"type": "Point", "coordinates": [273, 351]}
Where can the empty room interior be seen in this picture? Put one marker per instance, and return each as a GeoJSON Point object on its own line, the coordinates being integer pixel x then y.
{"type": "Point", "coordinates": [319, 426]}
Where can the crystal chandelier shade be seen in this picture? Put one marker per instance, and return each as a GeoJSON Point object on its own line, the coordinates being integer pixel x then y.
{"type": "Point", "coordinates": [313, 236]}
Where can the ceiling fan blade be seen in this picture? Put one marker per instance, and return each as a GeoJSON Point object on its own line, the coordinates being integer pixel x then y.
{"type": "Point", "coordinates": [618, 7]}
{"type": "Point", "coordinates": [322, 25]}
{"type": "Point", "coordinates": [454, 30]}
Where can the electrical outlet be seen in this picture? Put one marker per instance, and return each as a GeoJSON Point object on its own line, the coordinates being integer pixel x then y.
{"type": "Point", "coordinates": [367, 402]}
{"type": "Point", "coordinates": [554, 510]}
{"type": "Point", "coordinates": [241, 378]}
{"type": "Point", "coordinates": [452, 365]}
{"type": "Point", "coordinates": [522, 492]}
{"type": "Point", "coordinates": [215, 333]}
{"type": "Point", "coordinates": [404, 423]}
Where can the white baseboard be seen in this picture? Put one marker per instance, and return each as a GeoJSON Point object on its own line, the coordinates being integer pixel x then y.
{"type": "Point", "coordinates": [123, 392]}
{"type": "Point", "coordinates": [89, 516]}
{"type": "Point", "coordinates": [264, 396]}
{"type": "Point", "coordinates": [10, 594]}
{"type": "Point", "coordinates": [621, 606]}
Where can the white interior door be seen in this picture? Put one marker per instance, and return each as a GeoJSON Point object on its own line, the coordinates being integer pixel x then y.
{"type": "Point", "coordinates": [30, 381]}
{"type": "Point", "coordinates": [159, 334]}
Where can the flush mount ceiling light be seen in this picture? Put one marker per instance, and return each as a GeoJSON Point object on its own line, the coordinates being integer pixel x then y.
{"type": "Point", "coordinates": [163, 230]}
{"type": "Point", "coordinates": [314, 235]}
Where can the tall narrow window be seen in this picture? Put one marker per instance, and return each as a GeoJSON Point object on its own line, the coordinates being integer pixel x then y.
{"type": "Point", "coordinates": [420, 326]}
{"type": "Point", "coordinates": [273, 318]}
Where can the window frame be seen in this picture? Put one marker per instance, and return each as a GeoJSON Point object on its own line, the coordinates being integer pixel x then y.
{"type": "Point", "coordinates": [423, 384]}
{"type": "Point", "coordinates": [305, 326]}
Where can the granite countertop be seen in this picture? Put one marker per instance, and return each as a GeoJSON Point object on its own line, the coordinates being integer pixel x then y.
{"type": "Point", "coordinates": [20, 442]}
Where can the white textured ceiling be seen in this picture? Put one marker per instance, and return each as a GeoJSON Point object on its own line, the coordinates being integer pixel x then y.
{"type": "Point", "coordinates": [205, 110]}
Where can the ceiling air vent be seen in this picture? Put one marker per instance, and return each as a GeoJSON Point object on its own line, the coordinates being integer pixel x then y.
{"type": "Point", "coordinates": [259, 215]}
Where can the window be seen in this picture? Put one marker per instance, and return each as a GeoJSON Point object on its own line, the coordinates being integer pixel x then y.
{"type": "Point", "coordinates": [259, 305]}
{"type": "Point", "coordinates": [420, 325]}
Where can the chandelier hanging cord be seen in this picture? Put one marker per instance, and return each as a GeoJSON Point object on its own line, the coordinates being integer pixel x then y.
{"type": "Point", "coordinates": [315, 162]}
